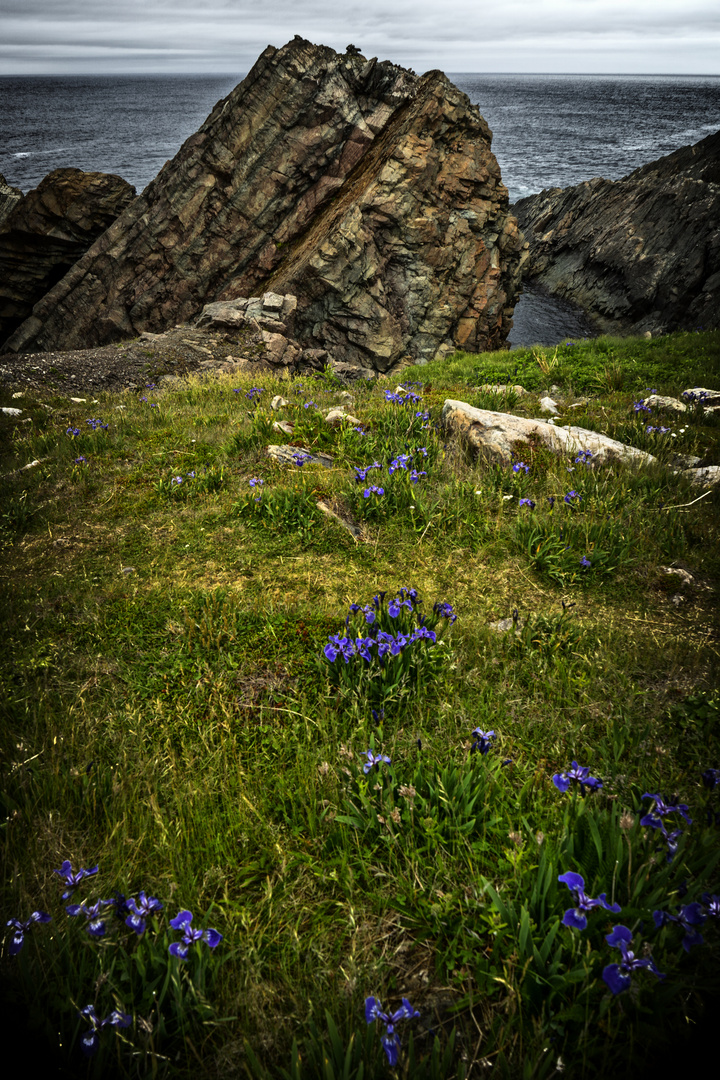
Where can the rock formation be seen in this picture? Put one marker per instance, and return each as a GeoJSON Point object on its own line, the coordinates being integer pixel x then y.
{"type": "Point", "coordinates": [638, 254]}
{"type": "Point", "coordinates": [46, 231]}
{"type": "Point", "coordinates": [366, 191]}
{"type": "Point", "coordinates": [9, 198]}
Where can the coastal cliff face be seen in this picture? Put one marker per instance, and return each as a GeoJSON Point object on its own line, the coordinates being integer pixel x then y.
{"type": "Point", "coordinates": [369, 193]}
{"type": "Point", "coordinates": [638, 254]}
{"type": "Point", "coordinates": [43, 233]}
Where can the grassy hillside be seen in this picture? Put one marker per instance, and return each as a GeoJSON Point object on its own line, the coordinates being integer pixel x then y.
{"type": "Point", "coordinates": [178, 711]}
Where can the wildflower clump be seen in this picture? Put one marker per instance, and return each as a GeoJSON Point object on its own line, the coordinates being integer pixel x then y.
{"type": "Point", "coordinates": [389, 646]}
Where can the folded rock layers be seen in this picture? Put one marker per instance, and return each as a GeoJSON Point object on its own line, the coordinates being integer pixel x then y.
{"type": "Point", "coordinates": [366, 191]}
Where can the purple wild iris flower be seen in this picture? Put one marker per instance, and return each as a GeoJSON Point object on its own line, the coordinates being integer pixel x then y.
{"type": "Point", "coordinates": [521, 465]}
{"type": "Point", "coordinates": [140, 910]}
{"type": "Point", "coordinates": [712, 905]}
{"type": "Point", "coordinates": [660, 809]}
{"type": "Point", "coordinates": [183, 921]}
{"type": "Point", "coordinates": [585, 562]}
{"type": "Point", "coordinates": [21, 928]}
{"type": "Point", "coordinates": [570, 496]}
{"type": "Point", "coordinates": [71, 879]}
{"type": "Point", "coordinates": [300, 459]}
{"type": "Point", "coordinates": [689, 916]}
{"type": "Point", "coordinates": [483, 740]}
{"type": "Point", "coordinates": [527, 502]}
{"type": "Point", "coordinates": [579, 774]}
{"type": "Point", "coordinates": [90, 1041]}
{"type": "Point", "coordinates": [617, 976]}
{"type": "Point", "coordinates": [390, 1038]}
{"type": "Point", "coordinates": [373, 490]}
{"type": "Point", "coordinates": [575, 917]}
{"type": "Point", "coordinates": [92, 912]}
{"type": "Point", "coordinates": [374, 761]}
{"type": "Point", "coordinates": [445, 610]}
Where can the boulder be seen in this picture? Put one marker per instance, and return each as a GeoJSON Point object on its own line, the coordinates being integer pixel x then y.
{"type": "Point", "coordinates": [502, 436]}
{"type": "Point", "coordinates": [46, 232]}
{"type": "Point", "coordinates": [641, 254]}
{"type": "Point", "coordinates": [369, 193]}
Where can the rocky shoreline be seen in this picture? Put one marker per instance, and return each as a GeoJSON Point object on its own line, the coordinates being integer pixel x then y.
{"type": "Point", "coordinates": [639, 255]}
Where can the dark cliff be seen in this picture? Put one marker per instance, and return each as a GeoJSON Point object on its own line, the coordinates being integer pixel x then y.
{"type": "Point", "coordinates": [638, 254]}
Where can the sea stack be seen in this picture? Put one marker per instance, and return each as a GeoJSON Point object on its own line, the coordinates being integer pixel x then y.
{"type": "Point", "coordinates": [366, 191]}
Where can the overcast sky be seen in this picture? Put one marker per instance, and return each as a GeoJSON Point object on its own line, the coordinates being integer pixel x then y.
{"type": "Point", "coordinates": [226, 36]}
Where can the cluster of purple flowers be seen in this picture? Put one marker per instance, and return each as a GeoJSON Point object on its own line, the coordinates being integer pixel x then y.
{"type": "Point", "coordinates": [640, 406]}
{"type": "Point", "coordinates": [583, 457]}
{"type": "Point", "coordinates": [520, 465]}
{"type": "Point", "coordinates": [656, 430]}
{"type": "Point", "coordinates": [570, 496]}
{"type": "Point", "coordinates": [409, 398]}
{"type": "Point", "coordinates": [382, 641]}
{"type": "Point", "coordinates": [373, 490]}
{"type": "Point", "coordinates": [390, 1038]}
{"type": "Point", "coordinates": [300, 459]}
{"type": "Point", "coordinates": [95, 424]}
{"type": "Point", "coordinates": [253, 392]}
{"type": "Point", "coordinates": [72, 432]}
{"type": "Point", "coordinates": [692, 396]}
{"type": "Point", "coordinates": [576, 774]}
{"type": "Point", "coordinates": [527, 502]}
{"type": "Point", "coordinates": [361, 474]}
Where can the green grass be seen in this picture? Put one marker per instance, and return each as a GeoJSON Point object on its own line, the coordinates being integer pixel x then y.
{"type": "Point", "coordinates": [169, 714]}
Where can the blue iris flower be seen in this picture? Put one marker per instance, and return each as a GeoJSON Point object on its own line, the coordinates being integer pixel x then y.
{"type": "Point", "coordinates": [21, 928]}
{"type": "Point", "coordinates": [483, 741]}
{"type": "Point", "coordinates": [90, 1041]}
{"type": "Point", "coordinates": [390, 1038]}
{"type": "Point", "coordinates": [575, 917]}
{"type": "Point", "coordinates": [374, 760]}
{"type": "Point", "coordinates": [617, 976]}
{"type": "Point", "coordinates": [140, 910]}
{"type": "Point", "coordinates": [73, 879]}
{"type": "Point", "coordinates": [183, 921]}
{"type": "Point", "coordinates": [579, 774]}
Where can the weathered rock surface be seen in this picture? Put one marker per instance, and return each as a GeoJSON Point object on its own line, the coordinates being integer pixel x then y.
{"type": "Point", "coordinates": [638, 254]}
{"type": "Point", "coordinates": [500, 435]}
{"type": "Point", "coordinates": [46, 231]}
{"type": "Point", "coordinates": [368, 192]}
{"type": "Point", "coordinates": [9, 198]}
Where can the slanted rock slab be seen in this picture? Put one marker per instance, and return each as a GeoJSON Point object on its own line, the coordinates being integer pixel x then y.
{"type": "Point", "coordinates": [501, 435]}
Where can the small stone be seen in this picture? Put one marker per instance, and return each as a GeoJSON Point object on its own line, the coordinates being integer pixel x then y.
{"type": "Point", "coordinates": [285, 426]}
{"type": "Point", "coordinates": [338, 415]}
{"type": "Point", "coordinates": [278, 402]}
{"type": "Point", "coordinates": [548, 405]}
{"type": "Point", "coordinates": [10, 412]}
{"type": "Point", "coordinates": [670, 404]}
{"type": "Point", "coordinates": [78, 400]}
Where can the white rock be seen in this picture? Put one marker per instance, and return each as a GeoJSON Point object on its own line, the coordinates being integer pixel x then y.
{"type": "Point", "coordinates": [339, 414]}
{"type": "Point", "coordinates": [708, 476]}
{"type": "Point", "coordinates": [670, 404]}
{"type": "Point", "coordinates": [284, 425]}
{"type": "Point", "coordinates": [79, 400]}
{"type": "Point", "coordinates": [278, 401]}
{"type": "Point", "coordinates": [287, 454]}
{"type": "Point", "coordinates": [499, 434]}
{"type": "Point", "coordinates": [10, 412]}
{"type": "Point", "coordinates": [548, 405]}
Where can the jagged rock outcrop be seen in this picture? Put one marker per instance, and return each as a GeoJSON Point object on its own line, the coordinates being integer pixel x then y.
{"type": "Point", "coordinates": [366, 191]}
{"type": "Point", "coordinates": [46, 231]}
{"type": "Point", "coordinates": [9, 198]}
{"type": "Point", "coordinates": [638, 254]}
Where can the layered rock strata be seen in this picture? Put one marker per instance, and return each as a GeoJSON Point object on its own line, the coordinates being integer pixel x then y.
{"type": "Point", "coordinates": [46, 231]}
{"type": "Point", "coordinates": [638, 254]}
{"type": "Point", "coordinates": [366, 191]}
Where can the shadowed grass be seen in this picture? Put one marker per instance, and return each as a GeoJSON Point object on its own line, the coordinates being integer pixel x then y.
{"type": "Point", "coordinates": [169, 714]}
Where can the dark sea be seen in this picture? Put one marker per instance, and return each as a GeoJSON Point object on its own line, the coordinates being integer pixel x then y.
{"type": "Point", "coordinates": [548, 131]}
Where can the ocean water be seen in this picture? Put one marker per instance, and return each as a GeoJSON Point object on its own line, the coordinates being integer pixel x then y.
{"type": "Point", "coordinates": [548, 131]}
